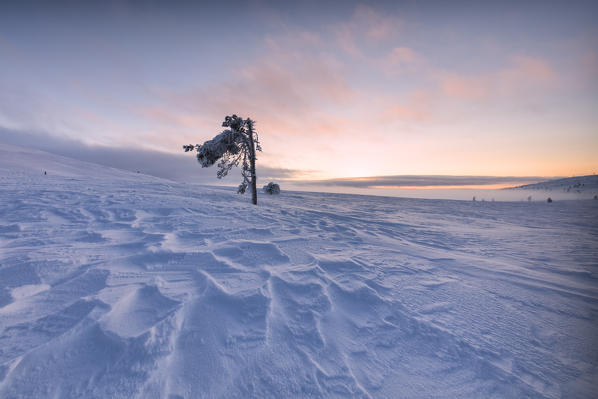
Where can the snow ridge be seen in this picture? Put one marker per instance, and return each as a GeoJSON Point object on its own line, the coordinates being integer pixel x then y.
{"type": "Point", "coordinates": [573, 185]}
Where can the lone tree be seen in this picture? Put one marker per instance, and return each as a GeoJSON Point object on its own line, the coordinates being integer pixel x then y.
{"type": "Point", "coordinates": [235, 145]}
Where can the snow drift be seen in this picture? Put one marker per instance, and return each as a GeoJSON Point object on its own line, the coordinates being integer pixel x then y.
{"type": "Point", "coordinates": [121, 285]}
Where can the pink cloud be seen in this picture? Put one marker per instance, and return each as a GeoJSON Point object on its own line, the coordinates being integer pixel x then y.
{"type": "Point", "coordinates": [589, 63]}
{"type": "Point", "coordinates": [169, 118]}
{"type": "Point", "coordinates": [466, 87]}
{"type": "Point", "coordinates": [401, 59]}
{"type": "Point", "coordinates": [293, 91]}
{"type": "Point", "coordinates": [416, 108]}
{"type": "Point", "coordinates": [376, 24]}
{"type": "Point", "coordinates": [347, 42]}
{"type": "Point", "coordinates": [365, 23]}
{"type": "Point", "coordinates": [403, 56]}
{"type": "Point", "coordinates": [296, 79]}
{"type": "Point", "coordinates": [523, 75]}
{"type": "Point", "coordinates": [405, 113]}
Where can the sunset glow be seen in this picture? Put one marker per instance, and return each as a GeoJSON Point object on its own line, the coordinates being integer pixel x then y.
{"type": "Point", "coordinates": [473, 187]}
{"type": "Point", "coordinates": [338, 91]}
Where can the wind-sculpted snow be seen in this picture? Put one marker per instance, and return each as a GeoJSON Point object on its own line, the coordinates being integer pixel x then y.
{"type": "Point", "coordinates": [121, 285]}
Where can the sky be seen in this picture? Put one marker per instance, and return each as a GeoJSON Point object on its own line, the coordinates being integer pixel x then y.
{"type": "Point", "coordinates": [338, 90]}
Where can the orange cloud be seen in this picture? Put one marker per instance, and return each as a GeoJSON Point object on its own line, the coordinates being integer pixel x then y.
{"type": "Point", "coordinates": [405, 113]}
{"type": "Point", "coordinates": [417, 108]}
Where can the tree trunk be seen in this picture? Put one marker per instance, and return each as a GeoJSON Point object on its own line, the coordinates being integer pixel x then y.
{"type": "Point", "coordinates": [252, 166]}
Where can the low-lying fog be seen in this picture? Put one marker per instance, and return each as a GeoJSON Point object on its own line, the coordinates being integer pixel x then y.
{"type": "Point", "coordinates": [454, 194]}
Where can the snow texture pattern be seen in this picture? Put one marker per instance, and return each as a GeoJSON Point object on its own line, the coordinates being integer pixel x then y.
{"type": "Point", "coordinates": [121, 285]}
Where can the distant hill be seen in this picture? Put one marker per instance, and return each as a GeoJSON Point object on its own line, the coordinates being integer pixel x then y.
{"type": "Point", "coordinates": [575, 185]}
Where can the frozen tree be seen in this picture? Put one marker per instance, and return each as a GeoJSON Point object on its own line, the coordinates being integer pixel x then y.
{"type": "Point", "coordinates": [235, 145]}
{"type": "Point", "coordinates": [272, 188]}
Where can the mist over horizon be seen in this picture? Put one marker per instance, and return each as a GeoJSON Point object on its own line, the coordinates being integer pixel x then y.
{"type": "Point", "coordinates": [184, 168]}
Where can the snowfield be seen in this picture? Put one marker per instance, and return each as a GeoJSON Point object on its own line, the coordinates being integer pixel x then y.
{"type": "Point", "coordinates": [581, 187]}
{"type": "Point", "coordinates": [121, 285]}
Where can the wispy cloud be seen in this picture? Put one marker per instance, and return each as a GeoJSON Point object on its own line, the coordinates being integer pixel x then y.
{"type": "Point", "coordinates": [283, 82]}
{"type": "Point", "coordinates": [400, 60]}
{"type": "Point", "coordinates": [365, 26]}
{"type": "Point", "coordinates": [402, 181]}
{"type": "Point", "coordinates": [416, 107]}
{"type": "Point", "coordinates": [522, 75]}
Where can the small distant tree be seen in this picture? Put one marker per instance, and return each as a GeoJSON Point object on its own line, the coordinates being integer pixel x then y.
{"type": "Point", "coordinates": [271, 188]}
{"type": "Point", "coordinates": [233, 146]}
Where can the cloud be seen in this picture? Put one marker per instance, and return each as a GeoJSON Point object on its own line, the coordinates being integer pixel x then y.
{"type": "Point", "coordinates": [466, 87]}
{"type": "Point", "coordinates": [423, 181]}
{"type": "Point", "coordinates": [416, 108]}
{"type": "Point", "coordinates": [297, 92]}
{"type": "Point", "coordinates": [284, 81]}
{"type": "Point", "coordinates": [401, 59]}
{"type": "Point", "coordinates": [183, 167]}
{"type": "Point", "coordinates": [589, 64]}
{"type": "Point", "coordinates": [315, 105]}
{"type": "Point", "coordinates": [365, 25]}
{"type": "Point", "coordinates": [523, 75]}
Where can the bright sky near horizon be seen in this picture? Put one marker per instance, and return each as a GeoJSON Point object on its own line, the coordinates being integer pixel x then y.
{"type": "Point", "coordinates": [338, 89]}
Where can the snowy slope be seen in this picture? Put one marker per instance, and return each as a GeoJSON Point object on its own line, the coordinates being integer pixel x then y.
{"type": "Point", "coordinates": [574, 185]}
{"type": "Point", "coordinates": [121, 285]}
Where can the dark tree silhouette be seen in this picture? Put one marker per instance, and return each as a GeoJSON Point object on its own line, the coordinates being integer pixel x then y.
{"type": "Point", "coordinates": [236, 145]}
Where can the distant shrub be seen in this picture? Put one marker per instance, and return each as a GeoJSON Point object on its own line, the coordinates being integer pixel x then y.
{"type": "Point", "coordinates": [549, 200]}
{"type": "Point", "coordinates": [272, 188]}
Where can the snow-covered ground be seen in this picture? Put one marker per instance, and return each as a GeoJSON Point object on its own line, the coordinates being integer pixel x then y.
{"type": "Point", "coordinates": [121, 285]}
{"type": "Point", "coordinates": [581, 186]}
